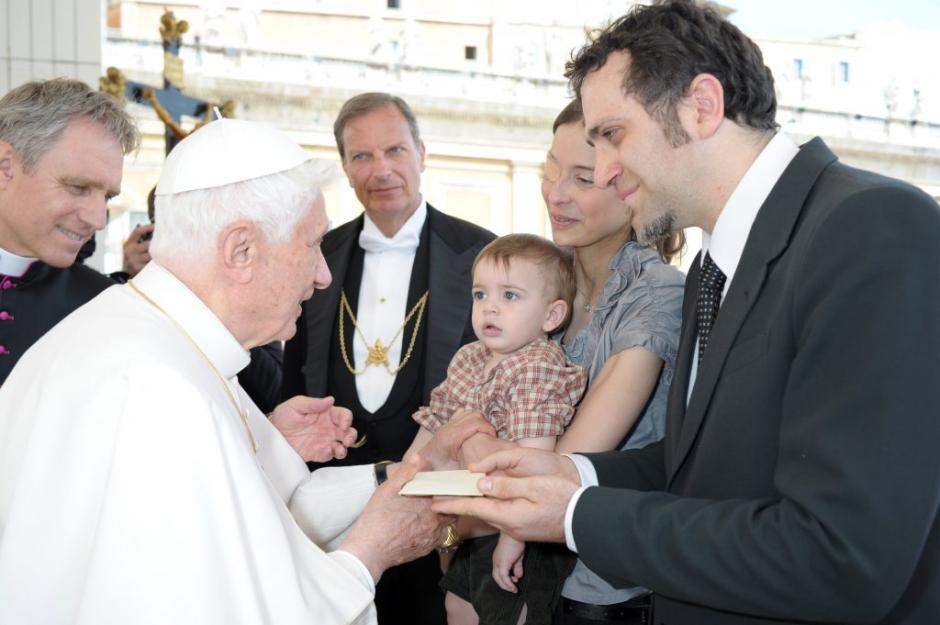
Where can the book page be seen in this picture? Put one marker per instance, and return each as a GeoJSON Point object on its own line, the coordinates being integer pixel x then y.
{"type": "Point", "coordinates": [461, 483]}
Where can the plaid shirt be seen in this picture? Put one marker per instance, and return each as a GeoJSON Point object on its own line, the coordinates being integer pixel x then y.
{"type": "Point", "coordinates": [531, 393]}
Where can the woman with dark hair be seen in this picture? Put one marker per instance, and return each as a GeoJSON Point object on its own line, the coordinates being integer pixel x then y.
{"type": "Point", "coordinates": [624, 331]}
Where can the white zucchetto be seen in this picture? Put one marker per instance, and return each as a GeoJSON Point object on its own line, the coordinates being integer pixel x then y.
{"type": "Point", "coordinates": [226, 151]}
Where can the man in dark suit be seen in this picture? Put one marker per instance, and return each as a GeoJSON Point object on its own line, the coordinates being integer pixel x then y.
{"type": "Point", "coordinates": [62, 149]}
{"type": "Point", "coordinates": [379, 339]}
{"type": "Point", "coordinates": [798, 481]}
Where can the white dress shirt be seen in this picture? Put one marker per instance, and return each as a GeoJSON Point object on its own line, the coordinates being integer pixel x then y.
{"type": "Point", "coordinates": [383, 302]}
{"type": "Point", "coordinates": [725, 244]}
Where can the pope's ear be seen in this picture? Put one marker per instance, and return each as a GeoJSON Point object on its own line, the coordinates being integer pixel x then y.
{"type": "Point", "coordinates": [238, 245]}
{"type": "Point", "coordinates": [7, 155]}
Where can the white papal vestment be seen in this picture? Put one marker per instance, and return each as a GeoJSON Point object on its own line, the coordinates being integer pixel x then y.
{"type": "Point", "coordinates": [129, 492]}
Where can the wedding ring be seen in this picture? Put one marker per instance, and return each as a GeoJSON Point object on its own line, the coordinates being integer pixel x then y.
{"type": "Point", "coordinates": [451, 539]}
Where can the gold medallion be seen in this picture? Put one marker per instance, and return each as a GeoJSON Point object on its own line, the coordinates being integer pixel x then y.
{"type": "Point", "coordinates": [378, 353]}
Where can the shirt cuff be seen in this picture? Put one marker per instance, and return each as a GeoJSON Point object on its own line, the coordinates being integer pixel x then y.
{"type": "Point", "coordinates": [585, 468]}
{"type": "Point", "coordinates": [588, 476]}
{"type": "Point", "coordinates": [355, 567]}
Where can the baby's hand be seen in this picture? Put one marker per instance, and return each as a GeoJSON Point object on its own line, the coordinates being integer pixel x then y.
{"type": "Point", "coordinates": [507, 562]}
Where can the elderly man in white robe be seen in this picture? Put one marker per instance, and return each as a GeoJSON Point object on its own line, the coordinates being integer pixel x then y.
{"type": "Point", "coordinates": [139, 483]}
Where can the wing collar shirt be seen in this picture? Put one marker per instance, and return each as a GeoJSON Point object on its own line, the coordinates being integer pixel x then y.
{"type": "Point", "coordinates": [725, 244]}
{"type": "Point", "coordinates": [383, 302]}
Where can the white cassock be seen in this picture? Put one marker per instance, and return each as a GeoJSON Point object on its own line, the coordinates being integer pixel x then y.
{"type": "Point", "coordinates": [129, 492]}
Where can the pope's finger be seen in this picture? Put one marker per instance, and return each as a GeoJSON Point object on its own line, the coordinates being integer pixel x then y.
{"type": "Point", "coordinates": [350, 437]}
{"type": "Point", "coordinates": [341, 417]}
{"type": "Point", "coordinates": [312, 404]}
{"type": "Point", "coordinates": [338, 450]}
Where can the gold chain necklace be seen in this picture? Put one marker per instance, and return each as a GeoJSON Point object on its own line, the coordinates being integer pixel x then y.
{"type": "Point", "coordinates": [228, 391]}
{"type": "Point", "coordinates": [378, 353]}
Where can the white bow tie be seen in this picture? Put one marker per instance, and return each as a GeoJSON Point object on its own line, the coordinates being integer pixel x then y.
{"type": "Point", "coordinates": [377, 242]}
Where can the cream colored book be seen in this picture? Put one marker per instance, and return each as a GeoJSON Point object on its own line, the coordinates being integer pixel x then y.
{"type": "Point", "coordinates": [461, 483]}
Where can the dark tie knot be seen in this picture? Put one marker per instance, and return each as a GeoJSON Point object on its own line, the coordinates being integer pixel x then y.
{"type": "Point", "coordinates": [711, 276]}
{"type": "Point", "coordinates": [711, 283]}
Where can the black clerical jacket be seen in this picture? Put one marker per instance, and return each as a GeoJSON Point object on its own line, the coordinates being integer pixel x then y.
{"type": "Point", "coordinates": [31, 304]}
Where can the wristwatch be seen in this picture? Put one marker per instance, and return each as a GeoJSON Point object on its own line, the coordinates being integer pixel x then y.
{"type": "Point", "coordinates": [381, 472]}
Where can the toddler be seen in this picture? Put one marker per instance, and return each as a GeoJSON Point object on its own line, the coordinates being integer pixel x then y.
{"type": "Point", "coordinates": [520, 381]}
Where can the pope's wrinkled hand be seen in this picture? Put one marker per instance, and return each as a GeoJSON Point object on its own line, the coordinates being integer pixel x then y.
{"type": "Point", "coordinates": [528, 502]}
{"type": "Point", "coordinates": [443, 451]}
{"type": "Point", "coordinates": [393, 529]}
{"type": "Point", "coordinates": [314, 427]}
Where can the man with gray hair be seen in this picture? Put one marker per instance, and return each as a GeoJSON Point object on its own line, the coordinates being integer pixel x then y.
{"type": "Point", "coordinates": [165, 495]}
{"type": "Point", "coordinates": [380, 338]}
{"type": "Point", "coordinates": [61, 155]}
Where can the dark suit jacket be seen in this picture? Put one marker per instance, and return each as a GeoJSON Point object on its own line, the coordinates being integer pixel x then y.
{"type": "Point", "coordinates": [454, 244]}
{"type": "Point", "coordinates": [802, 482]}
{"type": "Point", "coordinates": [261, 379]}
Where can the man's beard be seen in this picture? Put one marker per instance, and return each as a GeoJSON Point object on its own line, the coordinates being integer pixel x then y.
{"type": "Point", "coordinates": [657, 230]}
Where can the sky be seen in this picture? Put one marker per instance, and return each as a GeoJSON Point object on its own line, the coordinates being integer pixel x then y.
{"type": "Point", "coordinates": [822, 18]}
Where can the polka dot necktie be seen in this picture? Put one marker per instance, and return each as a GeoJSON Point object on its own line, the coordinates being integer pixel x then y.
{"type": "Point", "coordinates": [711, 283]}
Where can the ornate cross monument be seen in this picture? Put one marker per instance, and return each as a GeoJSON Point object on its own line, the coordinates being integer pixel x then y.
{"type": "Point", "coordinates": [169, 103]}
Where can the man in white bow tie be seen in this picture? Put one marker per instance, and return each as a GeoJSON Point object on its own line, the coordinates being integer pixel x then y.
{"type": "Point", "coordinates": [381, 336]}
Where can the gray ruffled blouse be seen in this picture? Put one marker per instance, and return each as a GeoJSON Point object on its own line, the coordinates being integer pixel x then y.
{"type": "Point", "coordinates": [640, 306]}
